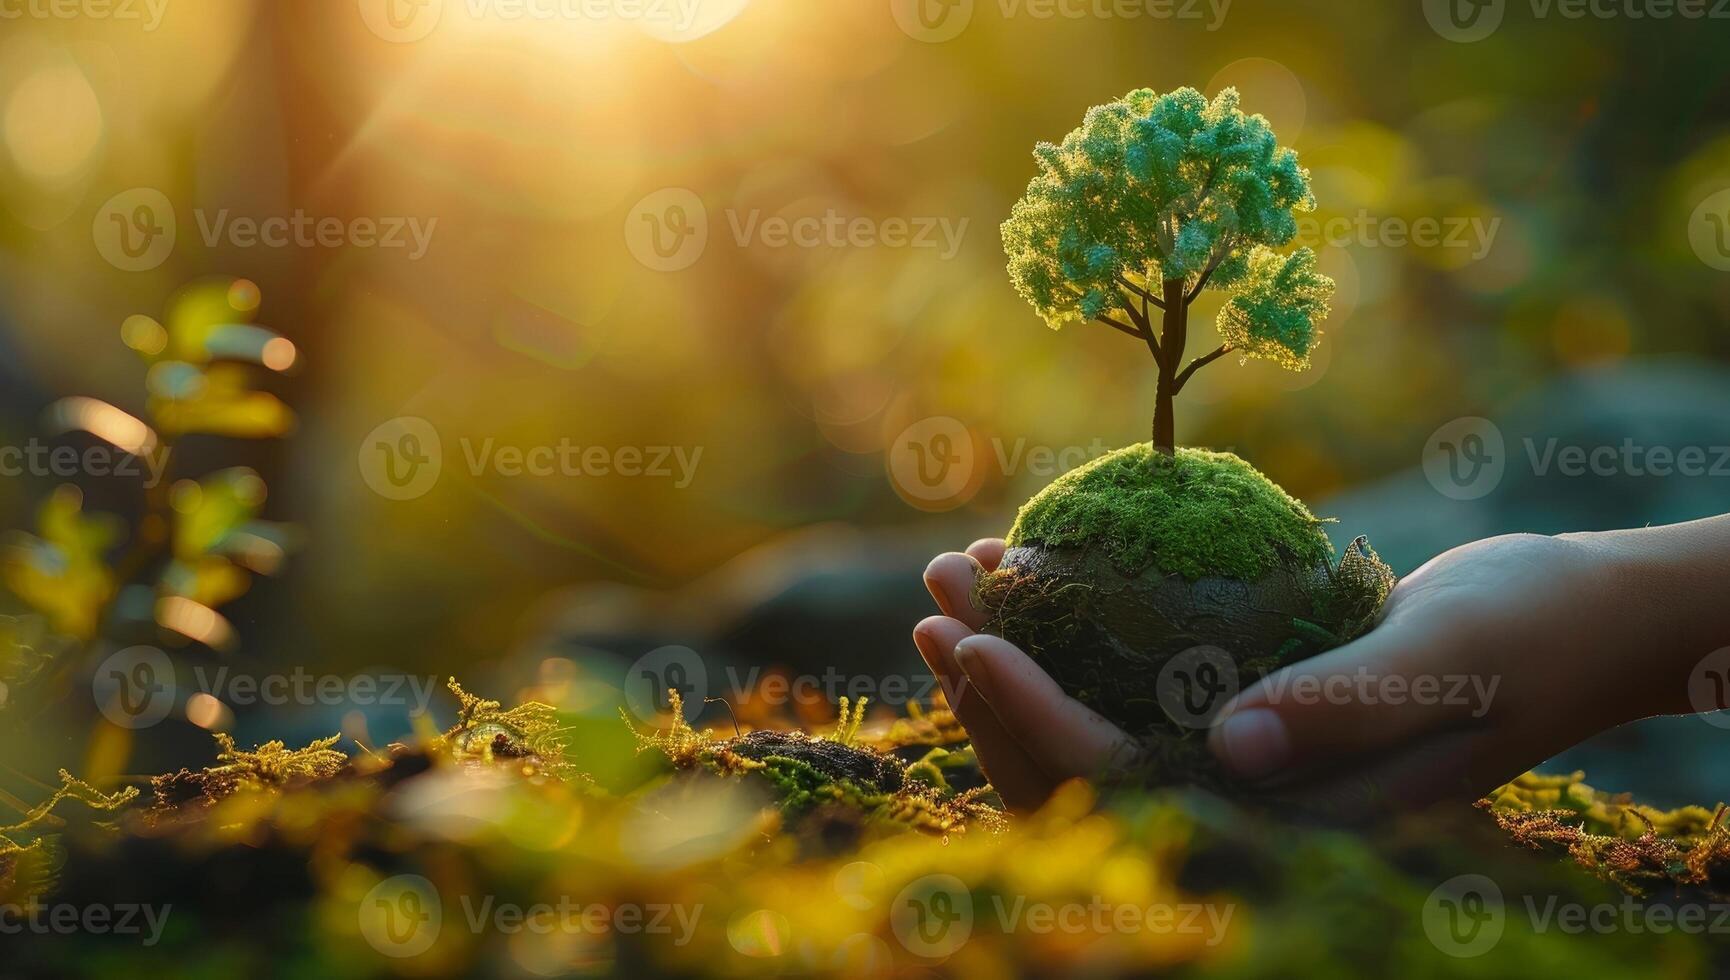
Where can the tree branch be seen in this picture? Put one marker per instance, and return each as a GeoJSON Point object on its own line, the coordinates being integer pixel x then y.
{"type": "Point", "coordinates": [1139, 319]}
{"type": "Point", "coordinates": [1201, 283]}
{"type": "Point", "coordinates": [1146, 297]}
{"type": "Point", "coordinates": [1199, 363]}
{"type": "Point", "coordinates": [1224, 250]}
{"type": "Point", "coordinates": [1119, 326]}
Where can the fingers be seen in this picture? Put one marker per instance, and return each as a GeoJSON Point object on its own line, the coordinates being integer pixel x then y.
{"type": "Point", "coordinates": [1366, 698]}
{"type": "Point", "coordinates": [988, 552]}
{"type": "Point", "coordinates": [1063, 736]}
{"type": "Point", "coordinates": [950, 578]}
{"type": "Point", "coordinates": [1021, 782]}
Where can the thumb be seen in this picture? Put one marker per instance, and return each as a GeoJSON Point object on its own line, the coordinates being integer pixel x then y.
{"type": "Point", "coordinates": [1369, 696]}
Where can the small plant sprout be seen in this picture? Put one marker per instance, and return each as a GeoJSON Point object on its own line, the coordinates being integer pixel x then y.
{"type": "Point", "coordinates": [1154, 199]}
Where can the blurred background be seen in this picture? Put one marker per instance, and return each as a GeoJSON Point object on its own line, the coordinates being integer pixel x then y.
{"type": "Point", "coordinates": [730, 271]}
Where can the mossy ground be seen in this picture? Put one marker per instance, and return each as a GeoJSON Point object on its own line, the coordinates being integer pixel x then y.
{"type": "Point", "coordinates": [791, 865]}
{"type": "Point", "coordinates": [1196, 513]}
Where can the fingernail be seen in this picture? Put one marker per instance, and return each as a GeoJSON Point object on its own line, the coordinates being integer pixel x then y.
{"type": "Point", "coordinates": [975, 666]}
{"type": "Point", "coordinates": [1253, 744]}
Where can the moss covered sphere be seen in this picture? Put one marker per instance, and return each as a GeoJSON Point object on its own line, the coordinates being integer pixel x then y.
{"type": "Point", "coordinates": [1154, 586]}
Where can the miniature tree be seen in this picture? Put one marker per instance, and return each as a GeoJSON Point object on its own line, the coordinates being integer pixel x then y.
{"type": "Point", "coordinates": [1154, 199]}
{"type": "Point", "coordinates": [1153, 581]}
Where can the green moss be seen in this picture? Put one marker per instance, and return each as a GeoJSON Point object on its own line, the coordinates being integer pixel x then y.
{"type": "Point", "coordinates": [1197, 514]}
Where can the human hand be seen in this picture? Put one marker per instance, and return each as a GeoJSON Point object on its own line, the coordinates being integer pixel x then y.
{"type": "Point", "coordinates": [1028, 734]}
{"type": "Point", "coordinates": [1489, 660]}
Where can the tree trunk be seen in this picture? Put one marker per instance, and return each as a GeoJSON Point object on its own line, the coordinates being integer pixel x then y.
{"type": "Point", "coordinates": [1174, 335]}
{"type": "Point", "coordinates": [1164, 433]}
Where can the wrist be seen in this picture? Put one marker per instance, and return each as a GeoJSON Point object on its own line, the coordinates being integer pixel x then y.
{"type": "Point", "coordinates": [1659, 608]}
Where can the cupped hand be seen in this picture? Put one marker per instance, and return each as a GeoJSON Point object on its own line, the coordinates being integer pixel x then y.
{"type": "Point", "coordinates": [1488, 660]}
{"type": "Point", "coordinates": [1029, 735]}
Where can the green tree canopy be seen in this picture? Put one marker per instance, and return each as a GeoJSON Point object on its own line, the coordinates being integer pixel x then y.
{"type": "Point", "coordinates": [1156, 197]}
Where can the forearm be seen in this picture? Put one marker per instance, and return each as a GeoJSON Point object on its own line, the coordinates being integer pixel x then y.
{"type": "Point", "coordinates": [1667, 587]}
